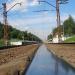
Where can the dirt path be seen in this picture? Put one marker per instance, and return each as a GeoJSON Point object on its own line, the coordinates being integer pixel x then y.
{"type": "Point", "coordinates": [64, 51]}
{"type": "Point", "coordinates": [15, 60]}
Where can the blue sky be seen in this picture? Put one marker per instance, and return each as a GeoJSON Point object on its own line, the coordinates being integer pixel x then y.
{"type": "Point", "coordinates": [40, 23]}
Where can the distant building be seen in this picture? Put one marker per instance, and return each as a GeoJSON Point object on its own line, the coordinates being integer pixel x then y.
{"type": "Point", "coordinates": [56, 40]}
{"type": "Point", "coordinates": [16, 43]}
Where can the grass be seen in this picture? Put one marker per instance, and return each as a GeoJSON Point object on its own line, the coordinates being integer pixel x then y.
{"type": "Point", "coordinates": [1, 42]}
{"type": "Point", "coordinates": [12, 40]}
{"type": "Point", "coordinates": [69, 40]}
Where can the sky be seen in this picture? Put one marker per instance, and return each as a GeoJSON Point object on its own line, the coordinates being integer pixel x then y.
{"type": "Point", "coordinates": [25, 17]}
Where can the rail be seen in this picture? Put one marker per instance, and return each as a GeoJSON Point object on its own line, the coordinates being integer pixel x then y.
{"type": "Point", "coordinates": [23, 44]}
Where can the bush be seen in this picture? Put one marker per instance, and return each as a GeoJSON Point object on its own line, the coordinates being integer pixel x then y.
{"type": "Point", "coordinates": [1, 42]}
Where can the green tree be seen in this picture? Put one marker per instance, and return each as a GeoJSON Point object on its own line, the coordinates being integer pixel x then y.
{"type": "Point", "coordinates": [49, 37]}
{"type": "Point", "coordinates": [69, 26]}
{"type": "Point", "coordinates": [57, 30]}
{"type": "Point", "coordinates": [25, 35]}
{"type": "Point", "coordinates": [1, 30]}
{"type": "Point", "coordinates": [17, 34]}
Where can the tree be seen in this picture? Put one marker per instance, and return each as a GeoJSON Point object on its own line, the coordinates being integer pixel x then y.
{"type": "Point", "coordinates": [25, 35]}
{"type": "Point", "coordinates": [14, 34]}
{"type": "Point", "coordinates": [69, 26]}
{"type": "Point", "coordinates": [49, 37]}
{"type": "Point", "coordinates": [1, 30]}
{"type": "Point", "coordinates": [17, 34]}
{"type": "Point", "coordinates": [55, 30]}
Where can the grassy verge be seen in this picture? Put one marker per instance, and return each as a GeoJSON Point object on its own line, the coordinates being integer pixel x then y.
{"type": "Point", "coordinates": [72, 39]}
{"type": "Point", "coordinates": [12, 40]}
{"type": "Point", "coordinates": [1, 42]}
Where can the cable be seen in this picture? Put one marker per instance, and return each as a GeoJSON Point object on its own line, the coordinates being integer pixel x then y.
{"type": "Point", "coordinates": [0, 14]}
{"type": "Point", "coordinates": [13, 6]}
{"type": "Point", "coordinates": [47, 3]}
{"type": "Point", "coordinates": [1, 8]}
{"type": "Point", "coordinates": [43, 10]}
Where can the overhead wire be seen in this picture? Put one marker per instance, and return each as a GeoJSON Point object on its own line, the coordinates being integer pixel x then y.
{"type": "Point", "coordinates": [6, 1]}
{"type": "Point", "coordinates": [0, 8]}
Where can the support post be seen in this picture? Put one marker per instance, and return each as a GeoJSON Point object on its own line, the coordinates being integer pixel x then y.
{"type": "Point", "coordinates": [5, 24]}
{"type": "Point", "coordinates": [58, 20]}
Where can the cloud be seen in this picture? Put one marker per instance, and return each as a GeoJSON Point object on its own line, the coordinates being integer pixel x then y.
{"type": "Point", "coordinates": [24, 5]}
{"type": "Point", "coordinates": [1, 18]}
{"type": "Point", "coordinates": [41, 33]}
{"type": "Point", "coordinates": [33, 21]}
{"type": "Point", "coordinates": [35, 24]}
{"type": "Point", "coordinates": [34, 3]}
{"type": "Point", "coordinates": [39, 25]}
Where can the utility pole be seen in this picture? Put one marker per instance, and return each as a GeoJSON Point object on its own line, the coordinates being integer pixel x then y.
{"type": "Point", "coordinates": [58, 16]}
{"type": "Point", "coordinates": [5, 24]}
{"type": "Point", "coordinates": [6, 36]}
{"type": "Point", "coordinates": [58, 2]}
{"type": "Point", "coordinates": [58, 20]}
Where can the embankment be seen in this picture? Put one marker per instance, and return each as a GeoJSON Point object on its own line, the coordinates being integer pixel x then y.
{"type": "Point", "coordinates": [14, 61]}
{"type": "Point", "coordinates": [64, 51]}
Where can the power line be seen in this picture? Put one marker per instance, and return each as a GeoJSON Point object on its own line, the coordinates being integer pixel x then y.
{"type": "Point", "coordinates": [0, 13]}
{"type": "Point", "coordinates": [1, 8]}
{"type": "Point", "coordinates": [42, 10]}
{"type": "Point", "coordinates": [63, 1]}
{"type": "Point", "coordinates": [57, 12]}
{"type": "Point", "coordinates": [4, 2]}
{"type": "Point", "coordinates": [47, 3]}
{"type": "Point", "coordinates": [58, 16]}
{"type": "Point", "coordinates": [13, 6]}
{"type": "Point", "coordinates": [6, 22]}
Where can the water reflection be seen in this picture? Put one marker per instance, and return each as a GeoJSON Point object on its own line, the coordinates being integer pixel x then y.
{"type": "Point", "coordinates": [56, 67]}
{"type": "Point", "coordinates": [64, 66]}
{"type": "Point", "coordinates": [45, 63]}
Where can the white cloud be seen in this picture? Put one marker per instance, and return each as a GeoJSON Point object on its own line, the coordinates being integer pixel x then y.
{"type": "Point", "coordinates": [23, 23]}
{"type": "Point", "coordinates": [30, 24]}
{"type": "Point", "coordinates": [24, 5]}
{"type": "Point", "coordinates": [33, 21]}
{"type": "Point", "coordinates": [1, 19]}
{"type": "Point", "coordinates": [41, 33]}
{"type": "Point", "coordinates": [34, 2]}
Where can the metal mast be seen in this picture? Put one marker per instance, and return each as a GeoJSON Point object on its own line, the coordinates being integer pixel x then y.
{"type": "Point", "coordinates": [5, 24]}
{"type": "Point", "coordinates": [58, 20]}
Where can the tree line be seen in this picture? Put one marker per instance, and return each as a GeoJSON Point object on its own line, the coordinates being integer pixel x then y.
{"type": "Point", "coordinates": [17, 34]}
{"type": "Point", "coordinates": [66, 29]}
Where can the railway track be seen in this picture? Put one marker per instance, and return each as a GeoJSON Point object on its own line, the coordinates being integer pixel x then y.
{"type": "Point", "coordinates": [13, 46]}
